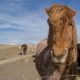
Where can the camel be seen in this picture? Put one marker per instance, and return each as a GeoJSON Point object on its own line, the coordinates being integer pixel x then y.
{"type": "Point", "coordinates": [56, 58]}
{"type": "Point", "coordinates": [23, 49]}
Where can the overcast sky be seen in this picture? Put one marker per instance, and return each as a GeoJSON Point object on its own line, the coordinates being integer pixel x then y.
{"type": "Point", "coordinates": [25, 21]}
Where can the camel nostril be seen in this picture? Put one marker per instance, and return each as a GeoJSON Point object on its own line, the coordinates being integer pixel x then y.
{"type": "Point", "coordinates": [66, 51]}
{"type": "Point", "coordinates": [52, 55]}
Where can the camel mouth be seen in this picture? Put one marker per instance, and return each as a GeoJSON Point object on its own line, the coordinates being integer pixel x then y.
{"type": "Point", "coordinates": [61, 59]}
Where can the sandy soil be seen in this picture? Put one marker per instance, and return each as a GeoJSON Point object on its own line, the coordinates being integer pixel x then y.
{"type": "Point", "coordinates": [18, 70]}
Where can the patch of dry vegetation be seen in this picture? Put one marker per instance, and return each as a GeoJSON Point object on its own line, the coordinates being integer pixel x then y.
{"type": "Point", "coordinates": [8, 51]}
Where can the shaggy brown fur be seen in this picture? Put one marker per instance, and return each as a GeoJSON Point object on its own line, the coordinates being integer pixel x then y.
{"type": "Point", "coordinates": [62, 31]}
{"type": "Point", "coordinates": [62, 36]}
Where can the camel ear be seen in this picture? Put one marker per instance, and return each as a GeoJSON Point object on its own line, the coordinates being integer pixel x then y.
{"type": "Point", "coordinates": [71, 12]}
{"type": "Point", "coordinates": [48, 11]}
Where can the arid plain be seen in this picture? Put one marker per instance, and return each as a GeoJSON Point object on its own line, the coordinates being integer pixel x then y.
{"type": "Point", "coordinates": [18, 67]}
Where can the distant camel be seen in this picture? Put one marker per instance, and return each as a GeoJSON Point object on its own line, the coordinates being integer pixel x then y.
{"type": "Point", "coordinates": [23, 49]}
{"type": "Point", "coordinates": [56, 57]}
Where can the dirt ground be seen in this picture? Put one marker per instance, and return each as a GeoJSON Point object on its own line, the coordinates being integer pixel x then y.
{"type": "Point", "coordinates": [20, 70]}
{"type": "Point", "coordinates": [17, 70]}
{"type": "Point", "coordinates": [23, 69]}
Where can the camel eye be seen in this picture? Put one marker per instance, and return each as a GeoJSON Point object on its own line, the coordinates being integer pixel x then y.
{"type": "Point", "coordinates": [61, 18]}
{"type": "Point", "coordinates": [70, 24]}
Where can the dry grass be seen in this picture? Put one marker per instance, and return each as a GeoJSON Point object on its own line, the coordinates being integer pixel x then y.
{"type": "Point", "coordinates": [8, 51]}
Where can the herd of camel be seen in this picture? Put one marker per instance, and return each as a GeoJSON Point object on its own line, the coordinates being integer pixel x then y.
{"type": "Point", "coordinates": [57, 57]}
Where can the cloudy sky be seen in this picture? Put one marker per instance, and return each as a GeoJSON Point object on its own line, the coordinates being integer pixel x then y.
{"type": "Point", "coordinates": [25, 21]}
